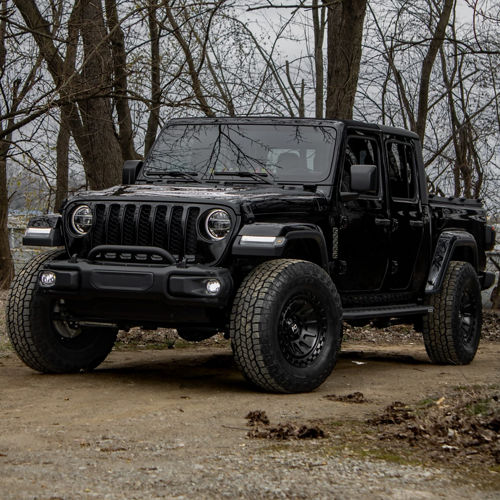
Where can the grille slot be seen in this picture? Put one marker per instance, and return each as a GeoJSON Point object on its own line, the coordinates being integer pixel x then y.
{"type": "Point", "coordinates": [114, 229]}
{"type": "Point", "coordinates": [160, 228]}
{"type": "Point", "coordinates": [176, 242]}
{"type": "Point", "coordinates": [129, 225]}
{"type": "Point", "coordinates": [100, 226]}
{"type": "Point", "coordinates": [191, 237]}
{"type": "Point", "coordinates": [144, 232]}
{"type": "Point", "coordinates": [167, 226]}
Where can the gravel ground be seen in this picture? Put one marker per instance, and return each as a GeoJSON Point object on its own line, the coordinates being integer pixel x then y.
{"type": "Point", "coordinates": [173, 472]}
{"type": "Point", "coordinates": [154, 422]}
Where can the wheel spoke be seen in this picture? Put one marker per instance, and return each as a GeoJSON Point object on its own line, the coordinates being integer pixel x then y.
{"type": "Point", "coordinates": [301, 330]}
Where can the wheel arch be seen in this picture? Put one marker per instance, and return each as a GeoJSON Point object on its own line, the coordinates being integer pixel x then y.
{"type": "Point", "coordinates": [450, 246]}
{"type": "Point", "coordinates": [274, 240]}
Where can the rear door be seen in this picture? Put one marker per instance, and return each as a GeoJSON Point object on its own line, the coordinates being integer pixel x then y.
{"type": "Point", "coordinates": [407, 219]}
{"type": "Point", "coordinates": [364, 225]}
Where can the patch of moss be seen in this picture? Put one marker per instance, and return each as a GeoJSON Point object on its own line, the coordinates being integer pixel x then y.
{"type": "Point", "coordinates": [425, 403]}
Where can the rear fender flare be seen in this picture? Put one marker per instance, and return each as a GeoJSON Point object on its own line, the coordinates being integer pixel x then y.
{"type": "Point", "coordinates": [448, 244]}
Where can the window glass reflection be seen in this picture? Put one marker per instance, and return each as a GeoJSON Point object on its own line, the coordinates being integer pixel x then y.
{"type": "Point", "coordinates": [280, 152]}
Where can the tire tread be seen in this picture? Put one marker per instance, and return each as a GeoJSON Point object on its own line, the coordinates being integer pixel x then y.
{"type": "Point", "coordinates": [247, 315]}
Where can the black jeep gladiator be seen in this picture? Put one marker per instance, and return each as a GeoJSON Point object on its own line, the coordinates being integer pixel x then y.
{"type": "Point", "coordinates": [273, 231]}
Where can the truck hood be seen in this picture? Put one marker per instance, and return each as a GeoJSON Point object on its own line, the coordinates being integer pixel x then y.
{"type": "Point", "coordinates": [259, 199]}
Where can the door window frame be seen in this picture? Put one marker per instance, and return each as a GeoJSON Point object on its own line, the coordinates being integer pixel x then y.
{"type": "Point", "coordinates": [416, 184]}
{"type": "Point", "coordinates": [359, 134]}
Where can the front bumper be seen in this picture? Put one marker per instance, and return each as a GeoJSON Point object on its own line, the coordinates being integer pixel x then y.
{"type": "Point", "coordinates": [176, 284]}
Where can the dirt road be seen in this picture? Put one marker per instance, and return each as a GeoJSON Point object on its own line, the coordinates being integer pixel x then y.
{"type": "Point", "coordinates": [171, 424]}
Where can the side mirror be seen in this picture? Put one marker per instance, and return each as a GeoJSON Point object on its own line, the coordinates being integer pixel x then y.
{"type": "Point", "coordinates": [363, 178]}
{"type": "Point", "coordinates": [131, 169]}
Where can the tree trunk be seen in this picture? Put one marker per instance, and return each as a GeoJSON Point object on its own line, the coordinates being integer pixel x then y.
{"type": "Point", "coordinates": [6, 263]}
{"type": "Point", "coordinates": [193, 69]}
{"type": "Point", "coordinates": [318, 14]}
{"type": "Point", "coordinates": [428, 64]}
{"type": "Point", "coordinates": [345, 33]}
{"type": "Point", "coordinates": [154, 112]}
{"type": "Point", "coordinates": [126, 135]}
{"type": "Point", "coordinates": [103, 148]}
{"type": "Point", "coordinates": [86, 93]}
{"type": "Point", "coordinates": [62, 151]}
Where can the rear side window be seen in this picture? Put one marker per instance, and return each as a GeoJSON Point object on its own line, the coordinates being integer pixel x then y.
{"type": "Point", "coordinates": [359, 151]}
{"type": "Point", "coordinates": [401, 170]}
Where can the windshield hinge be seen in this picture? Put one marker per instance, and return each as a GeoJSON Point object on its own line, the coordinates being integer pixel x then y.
{"type": "Point", "coordinates": [248, 214]}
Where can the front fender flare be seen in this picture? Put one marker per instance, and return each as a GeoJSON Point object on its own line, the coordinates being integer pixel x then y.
{"type": "Point", "coordinates": [271, 239]}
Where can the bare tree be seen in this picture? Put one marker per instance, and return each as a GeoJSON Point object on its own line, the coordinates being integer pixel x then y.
{"type": "Point", "coordinates": [15, 89]}
{"type": "Point", "coordinates": [319, 23]}
{"type": "Point", "coordinates": [345, 34]}
{"type": "Point", "coordinates": [85, 92]}
{"type": "Point", "coordinates": [120, 85]}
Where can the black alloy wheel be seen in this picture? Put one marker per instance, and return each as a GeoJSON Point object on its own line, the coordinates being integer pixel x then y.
{"type": "Point", "coordinates": [302, 329]}
{"type": "Point", "coordinates": [453, 331]}
{"type": "Point", "coordinates": [286, 326]}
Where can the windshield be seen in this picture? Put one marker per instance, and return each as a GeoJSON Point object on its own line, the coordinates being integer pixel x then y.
{"type": "Point", "coordinates": [271, 152]}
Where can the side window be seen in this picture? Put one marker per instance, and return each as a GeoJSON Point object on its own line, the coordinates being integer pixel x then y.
{"type": "Point", "coordinates": [401, 170]}
{"type": "Point", "coordinates": [359, 151]}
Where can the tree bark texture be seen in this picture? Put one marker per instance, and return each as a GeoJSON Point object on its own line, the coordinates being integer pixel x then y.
{"type": "Point", "coordinates": [427, 65]}
{"type": "Point", "coordinates": [154, 112]}
{"type": "Point", "coordinates": [319, 23]}
{"type": "Point", "coordinates": [87, 92]}
{"type": "Point", "coordinates": [344, 34]}
{"type": "Point", "coordinates": [6, 263]}
{"type": "Point", "coordinates": [117, 39]}
{"type": "Point", "coordinates": [62, 151]}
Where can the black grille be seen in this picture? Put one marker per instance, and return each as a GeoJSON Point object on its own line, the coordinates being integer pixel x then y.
{"type": "Point", "coordinates": [171, 227]}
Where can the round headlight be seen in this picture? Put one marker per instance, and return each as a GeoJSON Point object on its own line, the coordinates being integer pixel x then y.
{"type": "Point", "coordinates": [218, 224]}
{"type": "Point", "coordinates": [81, 220]}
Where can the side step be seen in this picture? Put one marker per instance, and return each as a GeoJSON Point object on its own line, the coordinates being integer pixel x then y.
{"type": "Point", "coordinates": [386, 311]}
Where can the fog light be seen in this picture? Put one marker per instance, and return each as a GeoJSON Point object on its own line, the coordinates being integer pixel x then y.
{"type": "Point", "coordinates": [47, 278]}
{"type": "Point", "coordinates": [213, 287]}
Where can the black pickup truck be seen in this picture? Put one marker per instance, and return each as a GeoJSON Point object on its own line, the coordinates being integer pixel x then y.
{"type": "Point", "coordinates": [273, 231]}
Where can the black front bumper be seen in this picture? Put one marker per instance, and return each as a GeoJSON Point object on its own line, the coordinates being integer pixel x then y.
{"type": "Point", "coordinates": [140, 294]}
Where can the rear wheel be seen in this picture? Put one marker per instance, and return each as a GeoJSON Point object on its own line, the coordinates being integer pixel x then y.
{"type": "Point", "coordinates": [452, 332]}
{"type": "Point", "coordinates": [43, 336]}
{"type": "Point", "coordinates": [286, 326]}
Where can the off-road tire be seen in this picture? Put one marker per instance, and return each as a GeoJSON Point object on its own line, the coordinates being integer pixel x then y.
{"type": "Point", "coordinates": [262, 312]}
{"type": "Point", "coordinates": [452, 332]}
{"type": "Point", "coordinates": [33, 335]}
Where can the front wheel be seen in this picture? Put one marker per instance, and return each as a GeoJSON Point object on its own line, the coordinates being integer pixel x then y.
{"type": "Point", "coordinates": [452, 331]}
{"type": "Point", "coordinates": [286, 326]}
{"type": "Point", "coordinates": [42, 336]}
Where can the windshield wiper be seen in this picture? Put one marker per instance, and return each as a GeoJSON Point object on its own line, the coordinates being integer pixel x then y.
{"type": "Point", "coordinates": [175, 173]}
{"type": "Point", "coordinates": [259, 176]}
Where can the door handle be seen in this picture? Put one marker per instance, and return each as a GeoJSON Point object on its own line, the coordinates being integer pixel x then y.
{"type": "Point", "coordinates": [383, 222]}
{"type": "Point", "coordinates": [416, 223]}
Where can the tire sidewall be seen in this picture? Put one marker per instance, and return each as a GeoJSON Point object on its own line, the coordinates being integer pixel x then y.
{"type": "Point", "coordinates": [301, 283]}
{"type": "Point", "coordinates": [81, 353]}
{"type": "Point", "coordinates": [32, 332]}
{"type": "Point", "coordinates": [466, 282]}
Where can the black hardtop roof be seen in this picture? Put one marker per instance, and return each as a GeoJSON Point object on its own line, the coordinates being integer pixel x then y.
{"type": "Point", "coordinates": [295, 121]}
